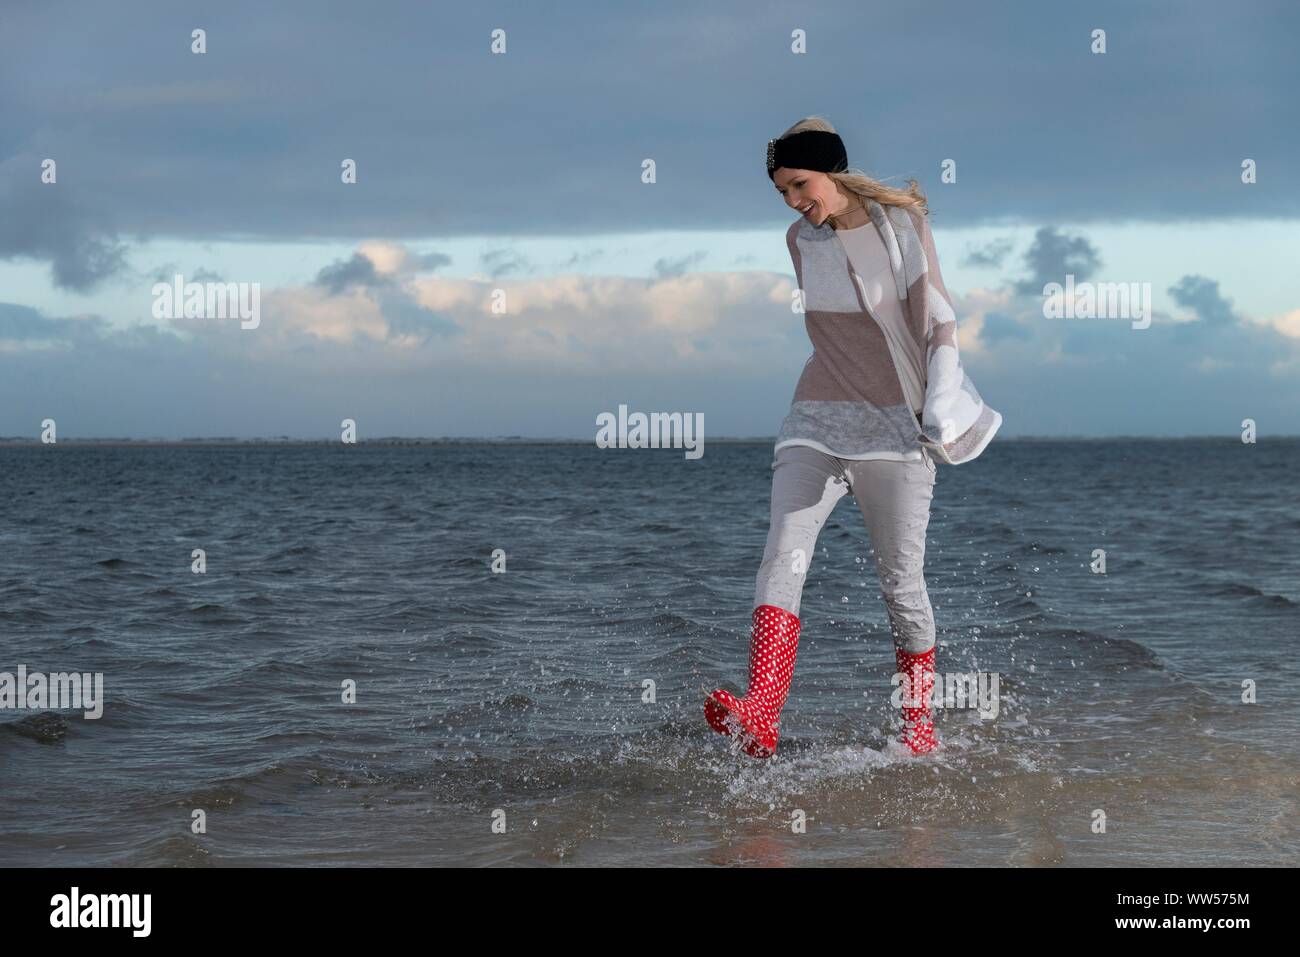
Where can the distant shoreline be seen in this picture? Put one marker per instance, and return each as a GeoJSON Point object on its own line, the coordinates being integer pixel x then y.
{"type": "Point", "coordinates": [397, 441]}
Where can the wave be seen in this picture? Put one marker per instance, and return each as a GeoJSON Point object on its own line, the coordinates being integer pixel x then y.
{"type": "Point", "coordinates": [174, 850]}
{"type": "Point", "coordinates": [1239, 590]}
{"type": "Point", "coordinates": [512, 706]}
{"type": "Point", "coordinates": [43, 727]}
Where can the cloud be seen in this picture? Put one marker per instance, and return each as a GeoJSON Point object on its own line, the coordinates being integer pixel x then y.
{"type": "Point", "coordinates": [168, 272]}
{"type": "Point", "coordinates": [413, 348]}
{"type": "Point", "coordinates": [668, 268]}
{"type": "Point", "coordinates": [410, 321]}
{"type": "Point", "coordinates": [998, 326]}
{"type": "Point", "coordinates": [356, 271]}
{"type": "Point", "coordinates": [503, 262]}
{"type": "Point", "coordinates": [1052, 255]}
{"type": "Point", "coordinates": [56, 222]}
{"type": "Point", "coordinates": [375, 299]}
{"type": "Point", "coordinates": [1288, 324]}
{"type": "Point", "coordinates": [248, 137]}
{"type": "Point", "coordinates": [378, 264]}
{"type": "Point", "coordinates": [23, 328]}
{"type": "Point", "coordinates": [1009, 325]}
{"type": "Point", "coordinates": [396, 259]}
{"type": "Point", "coordinates": [1215, 340]}
{"type": "Point", "coordinates": [1202, 296]}
{"type": "Point", "coordinates": [991, 254]}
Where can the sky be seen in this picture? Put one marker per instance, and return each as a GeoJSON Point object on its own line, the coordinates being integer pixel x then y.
{"type": "Point", "coordinates": [501, 265]}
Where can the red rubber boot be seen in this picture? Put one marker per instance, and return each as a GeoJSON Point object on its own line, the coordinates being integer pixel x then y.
{"type": "Point", "coordinates": [755, 718]}
{"type": "Point", "coordinates": [918, 681]}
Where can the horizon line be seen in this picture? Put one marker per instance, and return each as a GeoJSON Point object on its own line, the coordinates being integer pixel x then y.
{"type": "Point", "coordinates": [19, 441]}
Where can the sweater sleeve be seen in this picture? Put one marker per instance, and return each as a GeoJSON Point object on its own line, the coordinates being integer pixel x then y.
{"type": "Point", "coordinates": [940, 419]}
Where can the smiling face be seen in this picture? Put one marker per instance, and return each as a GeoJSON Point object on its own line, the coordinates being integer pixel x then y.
{"type": "Point", "coordinates": [810, 192]}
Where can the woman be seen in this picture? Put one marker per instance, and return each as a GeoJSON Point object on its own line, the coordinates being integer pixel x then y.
{"type": "Point", "coordinates": [882, 396]}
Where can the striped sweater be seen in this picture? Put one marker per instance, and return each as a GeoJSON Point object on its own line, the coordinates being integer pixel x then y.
{"type": "Point", "coordinates": [849, 401]}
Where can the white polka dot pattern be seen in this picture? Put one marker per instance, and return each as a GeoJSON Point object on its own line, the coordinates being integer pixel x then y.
{"type": "Point", "coordinates": [918, 685]}
{"type": "Point", "coordinates": [755, 719]}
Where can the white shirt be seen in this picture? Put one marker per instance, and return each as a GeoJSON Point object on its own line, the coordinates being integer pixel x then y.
{"type": "Point", "coordinates": [869, 260]}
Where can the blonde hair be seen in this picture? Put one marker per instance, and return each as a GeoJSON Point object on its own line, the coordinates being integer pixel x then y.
{"type": "Point", "coordinates": [858, 183]}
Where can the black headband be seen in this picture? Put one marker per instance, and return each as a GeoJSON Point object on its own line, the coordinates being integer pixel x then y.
{"type": "Point", "coordinates": [809, 149]}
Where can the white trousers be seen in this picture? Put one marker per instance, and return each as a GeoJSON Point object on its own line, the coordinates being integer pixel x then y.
{"type": "Point", "coordinates": [894, 498]}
